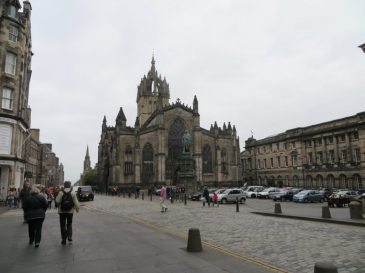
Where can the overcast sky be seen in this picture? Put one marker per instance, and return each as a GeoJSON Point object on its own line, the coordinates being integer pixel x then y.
{"type": "Point", "coordinates": [266, 66]}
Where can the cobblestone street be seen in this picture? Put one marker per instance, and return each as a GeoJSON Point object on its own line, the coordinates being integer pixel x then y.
{"type": "Point", "coordinates": [293, 245]}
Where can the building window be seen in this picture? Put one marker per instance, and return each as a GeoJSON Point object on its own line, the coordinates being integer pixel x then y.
{"type": "Point", "coordinates": [330, 140]}
{"type": "Point", "coordinates": [128, 161]}
{"type": "Point", "coordinates": [286, 161]}
{"type": "Point", "coordinates": [277, 146]}
{"type": "Point", "coordinates": [272, 162]}
{"type": "Point", "coordinates": [342, 138]}
{"type": "Point", "coordinates": [319, 158]}
{"type": "Point", "coordinates": [264, 164]}
{"type": "Point", "coordinates": [309, 143]}
{"type": "Point", "coordinates": [258, 164]}
{"type": "Point", "coordinates": [285, 146]}
{"type": "Point", "coordinates": [343, 156]}
{"type": "Point", "coordinates": [310, 158]}
{"type": "Point", "coordinates": [293, 144]}
{"type": "Point", "coordinates": [12, 11]}
{"type": "Point", "coordinates": [319, 142]}
{"type": "Point", "coordinates": [357, 155]}
{"type": "Point", "coordinates": [355, 136]}
{"type": "Point", "coordinates": [294, 159]}
{"type": "Point", "coordinates": [207, 160]}
{"type": "Point", "coordinates": [224, 162]}
{"type": "Point", "coordinates": [13, 34]}
{"type": "Point", "coordinates": [331, 156]}
{"type": "Point", "coordinates": [264, 149]}
{"type": "Point", "coordinates": [7, 99]}
{"type": "Point", "coordinates": [147, 164]}
{"type": "Point", "coordinates": [279, 164]}
{"type": "Point", "coordinates": [10, 63]}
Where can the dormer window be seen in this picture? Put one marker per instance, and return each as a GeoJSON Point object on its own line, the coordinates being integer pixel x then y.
{"type": "Point", "coordinates": [12, 11]}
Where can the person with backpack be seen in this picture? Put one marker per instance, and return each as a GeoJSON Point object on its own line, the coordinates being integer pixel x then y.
{"type": "Point", "coordinates": [67, 203]}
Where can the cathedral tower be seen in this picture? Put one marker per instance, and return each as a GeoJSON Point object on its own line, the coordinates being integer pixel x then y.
{"type": "Point", "coordinates": [151, 87]}
{"type": "Point", "coordinates": [87, 163]}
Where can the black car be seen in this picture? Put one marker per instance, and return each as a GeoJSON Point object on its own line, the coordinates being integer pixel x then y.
{"type": "Point", "coordinates": [196, 196]}
{"type": "Point", "coordinates": [283, 196]}
{"type": "Point", "coordinates": [85, 193]}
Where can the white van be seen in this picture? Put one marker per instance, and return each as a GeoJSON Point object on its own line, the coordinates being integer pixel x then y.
{"type": "Point", "coordinates": [252, 191]}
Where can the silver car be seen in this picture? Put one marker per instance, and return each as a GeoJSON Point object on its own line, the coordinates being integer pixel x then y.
{"type": "Point", "coordinates": [231, 195]}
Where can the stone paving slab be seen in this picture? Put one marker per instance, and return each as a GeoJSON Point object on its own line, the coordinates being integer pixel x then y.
{"type": "Point", "coordinates": [294, 245]}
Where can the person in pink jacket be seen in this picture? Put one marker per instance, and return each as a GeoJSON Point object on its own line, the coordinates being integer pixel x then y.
{"type": "Point", "coordinates": [163, 197]}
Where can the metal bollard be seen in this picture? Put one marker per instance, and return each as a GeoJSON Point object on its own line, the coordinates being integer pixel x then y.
{"type": "Point", "coordinates": [185, 199]}
{"type": "Point", "coordinates": [237, 205]}
{"type": "Point", "coordinates": [326, 212]}
{"type": "Point", "coordinates": [194, 241]}
{"type": "Point", "coordinates": [325, 267]}
{"type": "Point", "coordinates": [142, 195]}
{"type": "Point", "coordinates": [203, 203]}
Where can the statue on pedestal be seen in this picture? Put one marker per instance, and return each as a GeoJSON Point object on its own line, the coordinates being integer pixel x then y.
{"type": "Point", "coordinates": [186, 139]}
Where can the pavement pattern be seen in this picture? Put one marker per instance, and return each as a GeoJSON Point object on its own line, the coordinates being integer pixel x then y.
{"type": "Point", "coordinates": [293, 245]}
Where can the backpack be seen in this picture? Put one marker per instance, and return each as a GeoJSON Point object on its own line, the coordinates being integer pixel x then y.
{"type": "Point", "coordinates": [67, 203]}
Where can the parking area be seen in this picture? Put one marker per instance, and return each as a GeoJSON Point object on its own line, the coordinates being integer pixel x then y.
{"type": "Point", "coordinates": [294, 245]}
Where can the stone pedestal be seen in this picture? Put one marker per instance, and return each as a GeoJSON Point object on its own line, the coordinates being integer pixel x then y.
{"type": "Point", "coordinates": [186, 175]}
{"type": "Point", "coordinates": [326, 212]}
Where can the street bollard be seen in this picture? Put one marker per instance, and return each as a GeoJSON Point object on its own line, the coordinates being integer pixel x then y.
{"type": "Point", "coordinates": [151, 197]}
{"type": "Point", "coordinates": [185, 199]}
{"type": "Point", "coordinates": [326, 212]}
{"type": "Point", "coordinates": [203, 203]}
{"type": "Point", "coordinates": [237, 205]}
{"type": "Point", "coordinates": [142, 195]}
{"type": "Point", "coordinates": [277, 208]}
{"type": "Point", "coordinates": [194, 241]}
{"type": "Point", "coordinates": [325, 267]}
{"type": "Point", "coordinates": [355, 210]}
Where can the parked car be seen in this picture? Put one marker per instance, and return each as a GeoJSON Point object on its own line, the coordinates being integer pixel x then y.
{"type": "Point", "coordinates": [283, 195]}
{"type": "Point", "coordinates": [308, 196]}
{"type": "Point", "coordinates": [196, 196]}
{"type": "Point", "coordinates": [266, 192]}
{"type": "Point", "coordinates": [251, 191]}
{"type": "Point", "coordinates": [231, 195]}
{"type": "Point", "coordinates": [361, 192]}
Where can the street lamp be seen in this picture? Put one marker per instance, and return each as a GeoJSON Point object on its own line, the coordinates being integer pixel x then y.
{"type": "Point", "coordinates": [362, 47]}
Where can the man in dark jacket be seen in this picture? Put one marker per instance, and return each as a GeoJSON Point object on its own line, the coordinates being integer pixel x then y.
{"type": "Point", "coordinates": [35, 207]}
{"type": "Point", "coordinates": [24, 194]}
{"type": "Point", "coordinates": [206, 196]}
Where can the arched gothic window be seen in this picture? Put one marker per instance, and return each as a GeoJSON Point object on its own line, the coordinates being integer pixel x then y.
{"type": "Point", "coordinates": [207, 159]}
{"type": "Point", "coordinates": [128, 161]}
{"type": "Point", "coordinates": [330, 181]}
{"type": "Point", "coordinates": [147, 164]}
{"type": "Point", "coordinates": [175, 147]}
{"type": "Point", "coordinates": [224, 161]}
{"type": "Point", "coordinates": [357, 183]}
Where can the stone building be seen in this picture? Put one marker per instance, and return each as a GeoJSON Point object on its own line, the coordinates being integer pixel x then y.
{"type": "Point", "coordinates": [329, 154]}
{"type": "Point", "coordinates": [15, 60]}
{"type": "Point", "coordinates": [148, 153]}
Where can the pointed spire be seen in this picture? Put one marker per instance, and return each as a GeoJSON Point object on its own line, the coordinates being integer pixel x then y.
{"type": "Point", "coordinates": [215, 125]}
{"type": "Point", "coordinates": [87, 152]}
{"type": "Point", "coordinates": [195, 105]}
{"type": "Point", "coordinates": [153, 63]}
{"type": "Point", "coordinates": [229, 126]}
{"type": "Point", "coordinates": [104, 124]}
{"type": "Point", "coordinates": [224, 126]}
{"type": "Point", "coordinates": [234, 129]}
{"type": "Point", "coordinates": [121, 116]}
{"type": "Point", "coordinates": [211, 127]}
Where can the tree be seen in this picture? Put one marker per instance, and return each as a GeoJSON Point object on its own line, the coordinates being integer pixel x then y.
{"type": "Point", "coordinates": [90, 178]}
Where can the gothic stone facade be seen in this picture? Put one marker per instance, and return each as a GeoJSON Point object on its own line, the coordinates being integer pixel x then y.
{"type": "Point", "coordinates": [147, 154]}
{"type": "Point", "coordinates": [329, 155]}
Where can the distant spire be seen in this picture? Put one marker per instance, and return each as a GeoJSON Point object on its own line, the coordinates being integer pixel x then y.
{"type": "Point", "coordinates": [195, 105]}
{"type": "Point", "coordinates": [104, 124]}
{"type": "Point", "coordinates": [153, 62]}
{"type": "Point", "coordinates": [87, 151]}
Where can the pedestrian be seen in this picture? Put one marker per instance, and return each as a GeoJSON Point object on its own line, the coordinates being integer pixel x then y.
{"type": "Point", "coordinates": [10, 199]}
{"type": "Point", "coordinates": [49, 199]}
{"type": "Point", "coordinates": [163, 196]}
{"type": "Point", "coordinates": [24, 194]}
{"type": "Point", "coordinates": [67, 203]}
{"type": "Point", "coordinates": [215, 199]}
{"type": "Point", "coordinates": [206, 196]}
{"type": "Point", "coordinates": [35, 206]}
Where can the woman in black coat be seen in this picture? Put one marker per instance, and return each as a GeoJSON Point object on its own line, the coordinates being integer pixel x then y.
{"type": "Point", "coordinates": [35, 207]}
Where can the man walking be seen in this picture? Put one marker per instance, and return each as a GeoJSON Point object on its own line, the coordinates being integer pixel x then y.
{"type": "Point", "coordinates": [163, 195]}
{"type": "Point", "coordinates": [66, 202]}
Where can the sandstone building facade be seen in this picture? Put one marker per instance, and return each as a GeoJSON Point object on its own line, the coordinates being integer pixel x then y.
{"type": "Point", "coordinates": [325, 155]}
{"type": "Point", "coordinates": [147, 154]}
{"type": "Point", "coordinates": [22, 155]}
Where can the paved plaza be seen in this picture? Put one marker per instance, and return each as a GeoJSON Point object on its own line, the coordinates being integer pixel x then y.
{"type": "Point", "coordinates": [293, 245]}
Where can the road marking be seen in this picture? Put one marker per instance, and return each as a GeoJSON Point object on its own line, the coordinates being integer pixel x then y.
{"type": "Point", "coordinates": [184, 236]}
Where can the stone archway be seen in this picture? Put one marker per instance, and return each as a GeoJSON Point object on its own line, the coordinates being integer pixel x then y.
{"type": "Point", "coordinates": [343, 182]}
{"type": "Point", "coordinates": [330, 181]}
